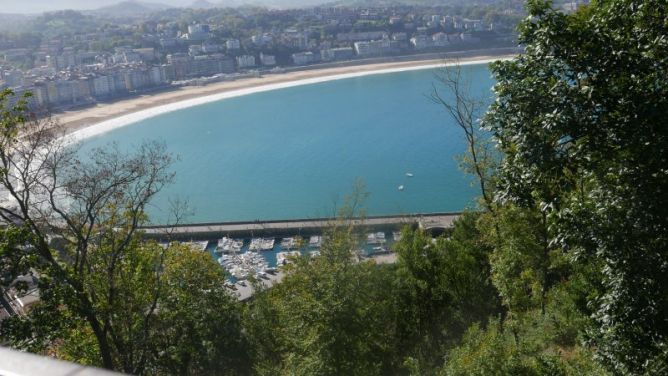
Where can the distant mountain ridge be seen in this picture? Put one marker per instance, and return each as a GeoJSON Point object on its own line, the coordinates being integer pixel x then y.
{"type": "Point", "coordinates": [203, 4]}
{"type": "Point", "coordinates": [130, 8]}
{"type": "Point", "coordinates": [140, 7]}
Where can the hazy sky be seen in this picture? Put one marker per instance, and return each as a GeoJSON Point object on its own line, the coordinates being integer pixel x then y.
{"type": "Point", "coordinates": [38, 6]}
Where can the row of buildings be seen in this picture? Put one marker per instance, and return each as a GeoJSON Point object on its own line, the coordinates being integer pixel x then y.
{"type": "Point", "coordinates": [75, 78]}
{"type": "Point", "coordinates": [72, 70]}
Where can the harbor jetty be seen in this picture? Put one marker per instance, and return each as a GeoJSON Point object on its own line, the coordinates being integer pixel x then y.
{"type": "Point", "coordinates": [436, 222]}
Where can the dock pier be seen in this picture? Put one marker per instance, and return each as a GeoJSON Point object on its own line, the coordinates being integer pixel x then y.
{"type": "Point", "coordinates": [303, 227]}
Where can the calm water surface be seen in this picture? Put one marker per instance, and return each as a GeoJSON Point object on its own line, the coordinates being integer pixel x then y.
{"type": "Point", "coordinates": [296, 152]}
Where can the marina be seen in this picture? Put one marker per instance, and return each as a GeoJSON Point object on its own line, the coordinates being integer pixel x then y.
{"type": "Point", "coordinates": [245, 265]}
{"type": "Point", "coordinates": [264, 255]}
{"type": "Point", "coordinates": [261, 258]}
{"type": "Point", "coordinates": [258, 249]}
{"type": "Point", "coordinates": [265, 266]}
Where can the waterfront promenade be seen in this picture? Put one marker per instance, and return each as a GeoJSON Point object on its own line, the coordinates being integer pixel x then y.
{"type": "Point", "coordinates": [430, 221]}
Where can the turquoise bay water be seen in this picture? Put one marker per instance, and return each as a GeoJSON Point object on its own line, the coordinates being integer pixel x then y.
{"type": "Point", "coordinates": [296, 152]}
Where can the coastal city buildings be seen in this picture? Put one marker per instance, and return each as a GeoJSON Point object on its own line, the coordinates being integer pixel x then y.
{"type": "Point", "coordinates": [112, 58]}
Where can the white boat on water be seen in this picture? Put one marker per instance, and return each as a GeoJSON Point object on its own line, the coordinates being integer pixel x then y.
{"type": "Point", "coordinates": [267, 244]}
{"type": "Point", "coordinates": [236, 245]}
{"type": "Point", "coordinates": [255, 244]}
{"type": "Point", "coordinates": [228, 245]}
{"type": "Point", "coordinates": [401, 188]}
{"type": "Point", "coordinates": [288, 243]}
{"type": "Point", "coordinates": [376, 238]}
{"type": "Point", "coordinates": [315, 241]}
{"type": "Point", "coordinates": [243, 265]}
{"type": "Point", "coordinates": [380, 250]}
{"type": "Point", "coordinates": [409, 174]}
{"type": "Point", "coordinates": [282, 257]}
{"type": "Point", "coordinates": [222, 243]}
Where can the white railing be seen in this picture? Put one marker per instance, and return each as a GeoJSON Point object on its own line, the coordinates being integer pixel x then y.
{"type": "Point", "coordinates": [16, 363]}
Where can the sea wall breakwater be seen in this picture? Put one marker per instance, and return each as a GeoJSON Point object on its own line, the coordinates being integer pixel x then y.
{"type": "Point", "coordinates": [435, 222]}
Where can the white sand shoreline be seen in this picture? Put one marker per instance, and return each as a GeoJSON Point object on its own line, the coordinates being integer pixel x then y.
{"type": "Point", "coordinates": [104, 118]}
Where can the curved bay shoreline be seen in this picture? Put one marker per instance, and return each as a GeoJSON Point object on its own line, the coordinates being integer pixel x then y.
{"type": "Point", "coordinates": [103, 117]}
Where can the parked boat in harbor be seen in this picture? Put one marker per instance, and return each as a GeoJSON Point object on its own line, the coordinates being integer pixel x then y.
{"type": "Point", "coordinates": [315, 241]}
{"type": "Point", "coordinates": [227, 245]}
{"type": "Point", "coordinates": [255, 244]}
{"type": "Point", "coordinates": [282, 257]}
{"type": "Point", "coordinates": [376, 238]}
{"type": "Point", "coordinates": [288, 243]}
{"type": "Point", "coordinates": [242, 266]}
{"type": "Point", "coordinates": [267, 244]}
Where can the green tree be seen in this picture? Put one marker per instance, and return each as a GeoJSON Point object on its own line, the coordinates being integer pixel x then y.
{"type": "Point", "coordinates": [108, 297]}
{"type": "Point", "coordinates": [331, 314]}
{"type": "Point", "coordinates": [195, 325]}
{"type": "Point", "coordinates": [525, 265]}
{"type": "Point", "coordinates": [53, 192]}
{"type": "Point", "coordinates": [443, 286]}
{"type": "Point", "coordinates": [579, 118]}
{"type": "Point", "coordinates": [494, 351]}
{"type": "Point", "coordinates": [198, 329]}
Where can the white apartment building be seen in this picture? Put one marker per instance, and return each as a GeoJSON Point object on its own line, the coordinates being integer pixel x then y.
{"type": "Point", "coordinates": [372, 47]}
{"type": "Point", "coordinates": [303, 58]}
{"type": "Point", "coordinates": [245, 61]}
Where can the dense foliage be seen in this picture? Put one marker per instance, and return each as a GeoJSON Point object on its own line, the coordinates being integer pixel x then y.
{"type": "Point", "coordinates": [106, 296]}
{"type": "Point", "coordinates": [581, 120]}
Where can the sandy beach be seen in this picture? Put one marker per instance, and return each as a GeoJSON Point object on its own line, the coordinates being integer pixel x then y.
{"type": "Point", "coordinates": [106, 116]}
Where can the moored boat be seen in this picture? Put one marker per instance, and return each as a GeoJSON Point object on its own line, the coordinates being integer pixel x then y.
{"type": "Point", "coordinates": [282, 257]}
{"type": "Point", "coordinates": [228, 245]}
{"type": "Point", "coordinates": [255, 244]}
{"type": "Point", "coordinates": [288, 243]}
{"type": "Point", "coordinates": [315, 241]}
{"type": "Point", "coordinates": [267, 244]}
{"type": "Point", "coordinates": [376, 238]}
